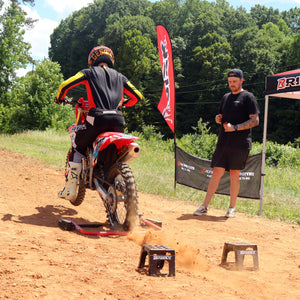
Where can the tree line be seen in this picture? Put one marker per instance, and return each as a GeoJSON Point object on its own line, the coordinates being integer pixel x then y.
{"type": "Point", "coordinates": [208, 39]}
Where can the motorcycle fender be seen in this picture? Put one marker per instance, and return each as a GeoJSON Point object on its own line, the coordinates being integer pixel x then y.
{"type": "Point", "coordinates": [119, 139]}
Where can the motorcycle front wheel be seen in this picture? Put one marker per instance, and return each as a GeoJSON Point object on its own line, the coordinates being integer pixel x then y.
{"type": "Point", "coordinates": [123, 207]}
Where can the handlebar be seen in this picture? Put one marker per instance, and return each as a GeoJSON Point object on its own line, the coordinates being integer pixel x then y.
{"type": "Point", "coordinates": [71, 101]}
{"type": "Point", "coordinates": [68, 101]}
{"type": "Point", "coordinates": [80, 103]}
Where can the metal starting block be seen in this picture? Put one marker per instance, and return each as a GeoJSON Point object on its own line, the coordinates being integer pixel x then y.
{"type": "Point", "coordinates": [147, 221]}
{"type": "Point", "coordinates": [158, 254]}
{"type": "Point", "coordinates": [69, 225]}
{"type": "Point", "coordinates": [240, 250]}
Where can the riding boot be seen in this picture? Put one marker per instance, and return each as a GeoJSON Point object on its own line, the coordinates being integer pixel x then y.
{"type": "Point", "coordinates": [69, 191]}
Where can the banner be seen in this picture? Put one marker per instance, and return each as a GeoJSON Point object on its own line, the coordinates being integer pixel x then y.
{"type": "Point", "coordinates": [284, 85]}
{"type": "Point", "coordinates": [167, 101]}
{"type": "Point", "coordinates": [196, 172]}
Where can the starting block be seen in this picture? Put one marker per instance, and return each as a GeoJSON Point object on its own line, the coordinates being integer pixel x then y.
{"type": "Point", "coordinates": [158, 254]}
{"type": "Point", "coordinates": [240, 250]}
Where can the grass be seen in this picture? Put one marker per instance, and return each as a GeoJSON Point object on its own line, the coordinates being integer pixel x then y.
{"type": "Point", "coordinates": [154, 172]}
{"type": "Point", "coordinates": [49, 147]}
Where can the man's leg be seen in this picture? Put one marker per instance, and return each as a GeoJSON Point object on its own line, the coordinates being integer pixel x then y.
{"type": "Point", "coordinates": [234, 186]}
{"type": "Point", "coordinates": [213, 184]}
{"type": "Point", "coordinates": [212, 187]}
{"type": "Point", "coordinates": [234, 191]}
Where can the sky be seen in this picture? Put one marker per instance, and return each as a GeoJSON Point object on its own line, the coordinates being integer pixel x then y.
{"type": "Point", "coordinates": [50, 12]}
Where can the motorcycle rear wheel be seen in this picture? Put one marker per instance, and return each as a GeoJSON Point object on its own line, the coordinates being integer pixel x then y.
{"type": "Point", "coordinates": [124, 206]}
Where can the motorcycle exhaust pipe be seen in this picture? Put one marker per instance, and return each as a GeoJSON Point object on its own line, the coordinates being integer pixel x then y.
{"type": "Point", "coordinates": [132, 153]}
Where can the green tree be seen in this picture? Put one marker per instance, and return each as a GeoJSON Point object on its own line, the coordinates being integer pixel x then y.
{"type": "Point", "coordinates": [208, 38]}
{"type": "Point", "coordinates": [138, 59]}
{"type": "Point", "coordinates": [213, 56]}
{"type": "Point", "coordinates": [262, 15]}
{"type": "Point", "coordinates": [167, 13]}
{"type": "Point", "coordinates": [292, 19]}
{"type": "Point", "coordinates": [257, 51]}
{"type": "Point", "coordinates": [31, 103]}
{"type": "Point", "coordinates": [293, 54]}
{"type": "Point", "coordinates": [14, 52]}
{"type": "Point", "coordinates": [73, 39]}
{"type": "Point", "coordinates": [117, 26]}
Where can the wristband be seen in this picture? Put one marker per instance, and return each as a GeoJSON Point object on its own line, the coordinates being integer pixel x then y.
{"type": "Point", "coordinates": [235, 127]}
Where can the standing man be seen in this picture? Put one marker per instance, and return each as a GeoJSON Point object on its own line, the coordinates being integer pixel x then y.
{"type": "Point", "coordinates": [238, 113]}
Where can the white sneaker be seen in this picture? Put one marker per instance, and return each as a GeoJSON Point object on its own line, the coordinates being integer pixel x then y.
{"type": "Point", "coordinates": [231, 212]}
{"type": "Point", "coordinates": [202, 210]}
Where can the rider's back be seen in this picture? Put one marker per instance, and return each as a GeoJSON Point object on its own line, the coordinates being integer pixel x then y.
{"type": "Point", "coordinates": [105, 85]}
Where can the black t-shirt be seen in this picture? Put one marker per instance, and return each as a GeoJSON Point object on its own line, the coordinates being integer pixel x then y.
{"type": "Point", "coordinates": [235, 109]}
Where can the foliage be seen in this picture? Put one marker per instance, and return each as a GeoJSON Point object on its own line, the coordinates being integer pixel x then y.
{"type": "Point", "coordinates": [208, 39]}
{"type": "Point", "coordinates": [282, 155]}
{"type": "Point", "coordinates": [13, 50]}
{"type": "Point", "coordinates": [202, 143]}
{"type": "Point", "coordinates": [296, 144]}
{"type": "Point", "coordinates": [31, 103]}
{"type": "Point", "coordinates": [138, 58]}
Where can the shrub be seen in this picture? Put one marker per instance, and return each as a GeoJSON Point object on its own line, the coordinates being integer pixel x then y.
{"type": "Point", "coordinates": [202, 143]}
{"type": "Point", "coordinates": [30, 105]}
{"type": "Point", "coordinates": [279, 155]}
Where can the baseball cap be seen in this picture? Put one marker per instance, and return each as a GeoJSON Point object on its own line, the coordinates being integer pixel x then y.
{"type": "Point", "coordinates": [235, 73]}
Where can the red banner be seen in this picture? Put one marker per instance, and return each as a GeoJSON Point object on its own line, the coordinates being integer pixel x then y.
{"type": "Point", "coordinates": [166, 104]}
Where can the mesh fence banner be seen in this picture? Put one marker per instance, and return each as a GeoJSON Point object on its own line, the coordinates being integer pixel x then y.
{"type": "Point", "coordinates": [196, 172]}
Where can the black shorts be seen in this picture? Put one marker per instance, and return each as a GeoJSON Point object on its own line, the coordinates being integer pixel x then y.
{"type": "Point", "coordinates": [230, 158]}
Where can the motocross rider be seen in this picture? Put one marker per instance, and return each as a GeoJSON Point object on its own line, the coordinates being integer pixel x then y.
{"type": "Point", "coordinates": [105, 87]}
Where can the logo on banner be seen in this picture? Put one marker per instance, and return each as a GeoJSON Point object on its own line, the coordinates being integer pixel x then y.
{"type": "Point", "coordinates": [207, 172]}
{"type": "Point", "coordinates": [186, 167]}
{"type": "Point", "coordinates": [284, 82]}
{"type": "Point", "coordinates": [246, 176]}
{"type": "Point", "coordinates": [165, 73]}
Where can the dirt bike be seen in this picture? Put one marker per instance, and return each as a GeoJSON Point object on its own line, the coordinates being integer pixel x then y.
{"type": "Point", "coordinates": [105, 169]}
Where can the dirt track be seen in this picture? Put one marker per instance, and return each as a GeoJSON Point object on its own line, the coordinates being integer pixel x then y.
{"type": "Point", "coordinates": [39, 260]}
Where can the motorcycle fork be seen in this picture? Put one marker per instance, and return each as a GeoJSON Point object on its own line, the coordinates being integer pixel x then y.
{"type": "Point", "coordinates": [106, 198]}
{"type": "Point", "coordinates": [91, 169]}
{"type": "Point", "coordinates": [85, 170]}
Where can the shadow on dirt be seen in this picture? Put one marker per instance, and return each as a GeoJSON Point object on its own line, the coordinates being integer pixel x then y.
{"type": "Point", "coordinates": [50, 215]}
{"type": "Point", "coordinates": [47, 216]}
{"type": "Point", "coordinates": [207, 218]}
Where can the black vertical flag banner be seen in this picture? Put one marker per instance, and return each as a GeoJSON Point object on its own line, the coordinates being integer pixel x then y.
{"type": "Point", "coordinates": [196, 172]}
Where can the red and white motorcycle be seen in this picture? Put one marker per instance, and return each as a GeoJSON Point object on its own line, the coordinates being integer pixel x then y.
{"type": "Point", "coordinates": [105, 169]}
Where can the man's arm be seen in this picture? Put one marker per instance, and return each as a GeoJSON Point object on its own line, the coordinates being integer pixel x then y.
{"type": "Point", "coordinates": [252, 122]}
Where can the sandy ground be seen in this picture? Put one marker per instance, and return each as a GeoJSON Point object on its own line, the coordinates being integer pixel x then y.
{"type": "Point", "coordinates": [39, 260]}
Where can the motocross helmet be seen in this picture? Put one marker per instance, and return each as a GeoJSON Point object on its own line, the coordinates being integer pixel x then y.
{"type": "Point", "coordinates": [101, 54]}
